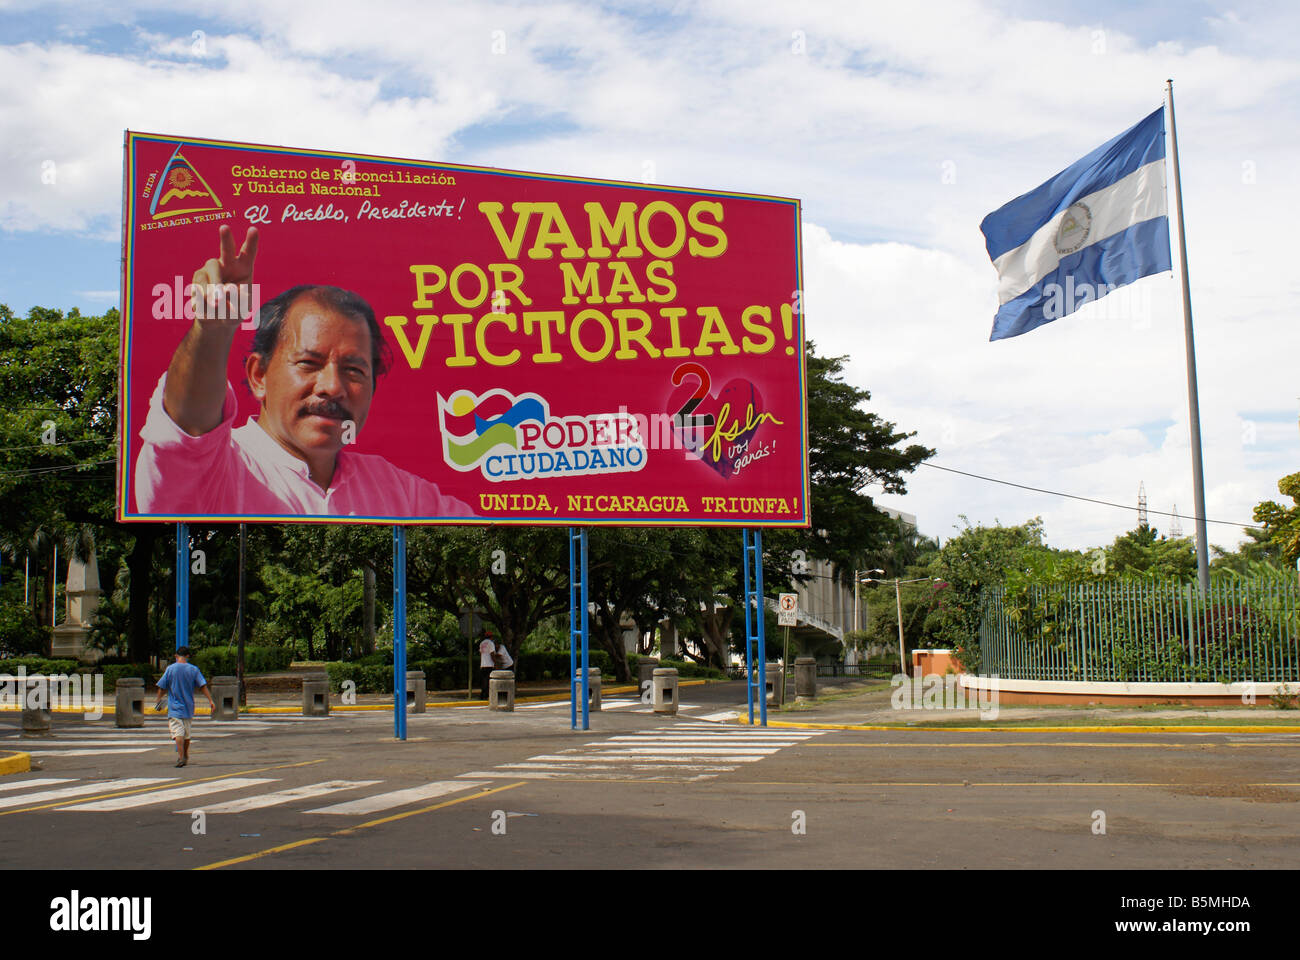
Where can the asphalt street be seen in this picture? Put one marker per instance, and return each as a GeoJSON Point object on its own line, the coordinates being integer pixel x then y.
{"type": "Point", "coordinates": [474, 788]}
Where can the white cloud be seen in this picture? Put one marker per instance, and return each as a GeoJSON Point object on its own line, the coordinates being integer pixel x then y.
{"type": "Point", "coordinates": [900, 130]}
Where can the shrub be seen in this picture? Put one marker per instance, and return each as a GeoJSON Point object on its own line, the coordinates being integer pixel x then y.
{"type": "Point", "coordinates": [116, 671]}
{"type": "Point", "coordinates": [19, 632]}
{"type": "Point", "coordinates": [38, 665]}
{"type": "Point", "coordinates": [223, 661]}
{"type": "Point", "coordinates": [687, 669]}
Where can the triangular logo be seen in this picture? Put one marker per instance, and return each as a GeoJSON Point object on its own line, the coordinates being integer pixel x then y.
{"type": "Point", "coordinates": [182, 190]}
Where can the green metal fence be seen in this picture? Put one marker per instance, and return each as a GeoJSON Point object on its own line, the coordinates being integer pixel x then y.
{"type": "Point", "coordinates": [1144, 630]}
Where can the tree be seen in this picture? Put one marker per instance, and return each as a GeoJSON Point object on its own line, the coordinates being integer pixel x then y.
{"type": "Point", "coordinates": [58, 429]}
{"type": "Point", "coordinates": [850, 449]}
{"type": "Point", "coordinates": [1141, 551]}
{"type": "Point", "coordinates": [1259, 555]}
{"type": "Point", "coordinates": [977, 558]}
{"type": "Point", "coordinates": [517, 576]}
{"type": "Point", "coordinates": [1282, 524]}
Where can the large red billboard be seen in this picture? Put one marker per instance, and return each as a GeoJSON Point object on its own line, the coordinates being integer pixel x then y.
{"type": "Point", "coordinates": [320, 336]}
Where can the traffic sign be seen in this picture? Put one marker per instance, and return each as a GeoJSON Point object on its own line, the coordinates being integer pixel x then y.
{"type": "Point", "coordinates": [787, 610]}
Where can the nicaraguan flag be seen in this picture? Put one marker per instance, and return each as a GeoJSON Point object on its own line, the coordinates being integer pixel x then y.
{"type": "Point", "coordinates": [1100, 223]}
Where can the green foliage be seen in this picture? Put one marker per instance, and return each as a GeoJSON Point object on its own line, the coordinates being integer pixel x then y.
{"type": "Point", "coordinates": [920, 601]}
{"type": "Point", "coordinates": [1146, 630]}
{"type": "Point", "coordinates": [978, 558]}
{"type": "Point", "coordinates": [223, 661]}
{"type": "Point", "coordinates": [115, 671]}
{"type": "Point", "coordinates": [38, 665]}
{"type": "Point", "coordinates": [693, 671]}
{"type": "Point", "coordinates": [1282, 524]}
{"type": "Point", "coordinates": [450, 673]}
{"type": "Point", "coordinates": [1142, 552]}
{"type": "Point", "coordinates": [848, 450]}
{"type": "Point", "coordinates": [19, 632]}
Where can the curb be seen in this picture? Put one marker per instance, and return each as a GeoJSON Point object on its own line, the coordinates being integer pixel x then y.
{"type": "Point", "coordinates": [1115, 728]}
{"type": "Point", "coordinates": [15, 763]}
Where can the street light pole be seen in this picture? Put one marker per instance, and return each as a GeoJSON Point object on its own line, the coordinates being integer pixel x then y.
{"type": "Point", "coordinates": [898, 598]}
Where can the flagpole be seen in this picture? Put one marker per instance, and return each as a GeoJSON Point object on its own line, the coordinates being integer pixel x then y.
{"type": "Point", "coordinates": [1193, 402]}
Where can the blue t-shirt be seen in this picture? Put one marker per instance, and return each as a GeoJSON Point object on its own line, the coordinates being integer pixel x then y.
{"type": "Point", "coordinates": [180, 680]}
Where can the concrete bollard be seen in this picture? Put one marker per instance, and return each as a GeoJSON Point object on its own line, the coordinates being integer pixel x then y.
{"type": "Point", "coordinates": [416, 692]}
{"type": "Point", "coordinates": [225, 694]}
{"type": "Point", "coordinates": [805, 678]}
{"type": "Point", "coordinates": [36, 706]}
{"type": "Point", "coordinates": [316, 695]}
{"type": "Point", "coordinates": [593, 687]}
{"type": "Point", "coordinates": [645, 673]}
{"type": "Point", "coordinates": [501, 690]}
{"type": "Point", "coordinates": [776, 684]}
{"type": "Point", "coordinates": [128, 702]}
{"type": "Point", "coordinates": [665, 690]}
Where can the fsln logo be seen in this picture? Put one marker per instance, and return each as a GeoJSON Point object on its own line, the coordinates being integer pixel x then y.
{"type": "Point", "coordinates": [75, 913]}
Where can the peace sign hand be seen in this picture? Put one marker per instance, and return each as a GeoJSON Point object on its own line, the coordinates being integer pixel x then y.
{"type": "Point", "coordinates": [224, 285]}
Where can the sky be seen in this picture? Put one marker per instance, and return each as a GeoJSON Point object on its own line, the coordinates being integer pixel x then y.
{"type": "Point", "coordinates": [898, 126]}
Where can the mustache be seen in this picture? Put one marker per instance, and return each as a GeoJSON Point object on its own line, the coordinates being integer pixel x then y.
{"type": "Point", "coordinates": [325, 408]}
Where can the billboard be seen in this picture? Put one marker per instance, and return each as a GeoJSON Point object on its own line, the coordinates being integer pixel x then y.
{"type": "Point", "coordinates": [319, 336]}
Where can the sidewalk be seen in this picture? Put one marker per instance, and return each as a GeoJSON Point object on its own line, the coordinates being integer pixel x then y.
{"type": "Point", "coordinates": [851, 704]}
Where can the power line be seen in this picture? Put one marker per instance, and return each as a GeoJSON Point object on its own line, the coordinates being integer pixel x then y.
{"type": "Point", "coordinates": [1071, 496]}
{"type": "Point", "coordinates": [40, 471]}
{"type": "Point", "coordinates": [60, 443]}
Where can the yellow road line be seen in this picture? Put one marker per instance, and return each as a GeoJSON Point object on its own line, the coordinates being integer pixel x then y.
{"type": "Point", "coordinates": [959, 783]}
{"type": "Point", "coordinates": [167, 785]}
{"type": "Point", "coordinates": [264, 853]}
{"type": "Point", "coordinates": [1114, 728]}
{"type": "Point", "coordinates": [1049, 743]}
{"type": "Point", "coordinates": [346, 831]}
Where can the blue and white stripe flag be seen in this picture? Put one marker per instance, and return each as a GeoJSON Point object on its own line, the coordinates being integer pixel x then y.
{"type": "Point", "coordinates": [1100, 223]}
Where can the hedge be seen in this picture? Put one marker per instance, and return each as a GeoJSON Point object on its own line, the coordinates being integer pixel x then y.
{"type": "Point", "coordinates": [450, 673]}
{"type": "Point", "coordinates": [38, 665]}
{"type": "Point", "coordinates": [223, 661]}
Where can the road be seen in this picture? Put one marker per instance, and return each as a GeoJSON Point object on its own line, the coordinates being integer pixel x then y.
{"type": "Point", "coordinates": [472, 788]}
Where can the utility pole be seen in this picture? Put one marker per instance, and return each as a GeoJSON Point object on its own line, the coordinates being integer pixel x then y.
{"type": "Point", "coordinates": [902, 654]}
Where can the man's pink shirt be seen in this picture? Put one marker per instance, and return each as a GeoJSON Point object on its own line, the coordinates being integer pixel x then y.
{"type": "Point", "coordinates": [243, 471]}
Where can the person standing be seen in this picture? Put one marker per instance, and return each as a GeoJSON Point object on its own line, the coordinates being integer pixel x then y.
{"type": "Point", "coordinates": [486, 661]}
{"type": "Point", "coordinates": [178, 682]}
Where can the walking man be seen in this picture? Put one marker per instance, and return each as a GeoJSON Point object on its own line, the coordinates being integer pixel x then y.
{"type": "Point", "coordinates": [179, 681]}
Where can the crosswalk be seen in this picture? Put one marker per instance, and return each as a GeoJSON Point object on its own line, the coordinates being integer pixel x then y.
{"type": "Point", "coordinates": [93, 740]}
{"type": "Point", "coordinates": [135, 793]}
{"type": "Point", "coordinates": [684, 751]}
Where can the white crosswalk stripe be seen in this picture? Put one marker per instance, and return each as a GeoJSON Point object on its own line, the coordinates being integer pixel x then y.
{"type": "Point", "coordinates": [168, 796]}
{"type": "Point", "coordinates": [88, 753]}
{"type": "Point", "coordinates": [683, 752]}
{"type": "Point", "coordinates": [40, 782]}
{"type": "Point", "coordinates": [283, 796]}
{"type": "Point", "coordinates": [98, 786]}
{"type": "Point", "coordinates": [399, 798]}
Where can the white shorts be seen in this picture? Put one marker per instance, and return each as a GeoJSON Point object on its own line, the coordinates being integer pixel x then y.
{"type": "Point", "coordinates": [179, 727]}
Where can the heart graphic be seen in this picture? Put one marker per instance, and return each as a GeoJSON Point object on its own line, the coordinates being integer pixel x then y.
{"type": "Point", "coordinates": [714, 428]}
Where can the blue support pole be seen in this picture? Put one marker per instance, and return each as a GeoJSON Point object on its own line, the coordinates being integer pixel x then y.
{"type": "Point", "coordinates": [573, 636]}
{"type": "Point", "coordinates": [399, 632]}
{"type": "Point", "coordinates": [586, 633]}
{"type": "Point", "coordinates": [749, 631]}
{"type": "Point", "coordinates": [760, 613]}
{"type": "Point", "coordinates": [182, 585]}
{"type": "Point", "coordinates": [755, 625]}
{"type": "Point", "coordinates": [579, 681]}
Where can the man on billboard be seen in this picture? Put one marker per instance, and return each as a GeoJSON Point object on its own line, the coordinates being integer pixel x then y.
{"type": "Point", "coordinates": [315, 361]}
